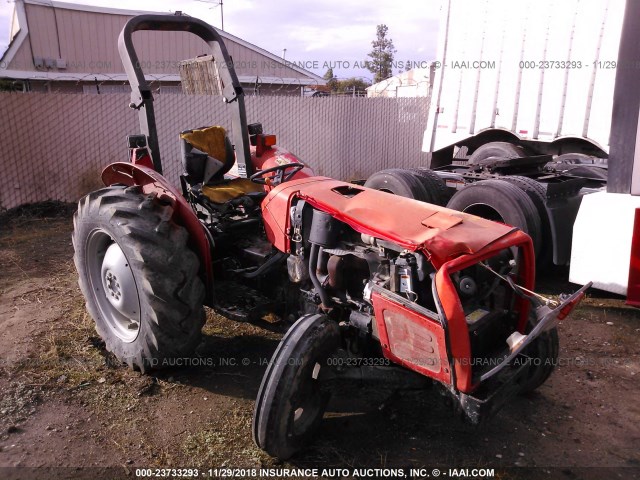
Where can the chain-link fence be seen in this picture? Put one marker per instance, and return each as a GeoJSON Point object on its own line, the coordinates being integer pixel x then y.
{"type": "Point", "coordinates": [54, 146]}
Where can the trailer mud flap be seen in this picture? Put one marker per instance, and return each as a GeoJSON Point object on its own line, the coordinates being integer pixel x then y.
{"type": "Point", "coordinates": [560, 210]}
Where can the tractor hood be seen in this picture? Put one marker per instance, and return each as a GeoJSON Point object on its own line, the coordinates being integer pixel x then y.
{"type": "Point", "coordinates": [441, 233]}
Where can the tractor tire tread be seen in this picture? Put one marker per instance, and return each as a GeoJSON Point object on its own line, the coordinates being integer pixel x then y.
{"type": "Point", "coordinates": [312, 334]}
{"type": "Point", "coordinates": [165, 270]}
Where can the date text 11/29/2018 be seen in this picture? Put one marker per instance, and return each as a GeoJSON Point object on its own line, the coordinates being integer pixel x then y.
{"type": "Point", "coordinates": [312, 472]}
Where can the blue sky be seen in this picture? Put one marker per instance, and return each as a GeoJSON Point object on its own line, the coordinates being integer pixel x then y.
{"type": "Point", "coordinates": [325, 32]}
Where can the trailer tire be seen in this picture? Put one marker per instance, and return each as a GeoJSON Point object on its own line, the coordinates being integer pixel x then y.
{"type": "Point", "coordinates": [503, 202]}
{"type": "Point", "coordinates": [538, 194]}
{"type": "Point", "coordinates": [397, 181]}
{"type": "Point", "coordinates": [434, 185]}
{"type": "Point", "coordinates": [290, 391]}
{"type": "Point", "coordinates": [501, 150]}
{"type": "Point", "coordinates": [138, 277]}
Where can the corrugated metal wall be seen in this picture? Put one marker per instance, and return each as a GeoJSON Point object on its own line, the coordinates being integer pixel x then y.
{"type": "Point", "coordinates": [53, 146]}
{"type": "Point", "coordinates": [87, 41]}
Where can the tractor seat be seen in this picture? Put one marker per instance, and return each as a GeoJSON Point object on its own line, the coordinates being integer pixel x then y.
{"type": "Point", "coordinates": [231, 189]}
{"type": "Point", "coordinates": [207, 154]}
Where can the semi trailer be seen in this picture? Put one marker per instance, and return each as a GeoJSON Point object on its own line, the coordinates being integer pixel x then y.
{"type": "Point", "coordinates": [533, 122]}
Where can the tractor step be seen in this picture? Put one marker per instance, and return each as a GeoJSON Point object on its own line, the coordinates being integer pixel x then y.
{"type": "Point", "coordinates": [241, 303]}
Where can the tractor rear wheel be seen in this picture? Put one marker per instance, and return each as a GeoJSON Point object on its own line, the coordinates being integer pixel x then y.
{"type": "Point", "coordinates": [291, 400]}
{"type": "Point", "coordinates": [139, 279]}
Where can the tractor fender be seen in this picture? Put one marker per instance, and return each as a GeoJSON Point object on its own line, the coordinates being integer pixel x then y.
{"type": "Point", "coordinates": [152, 182]}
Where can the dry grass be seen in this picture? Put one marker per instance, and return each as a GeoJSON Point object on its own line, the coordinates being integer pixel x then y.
{"type": "Point", "coordinates": [145, 417]}
{"type": "Point", "coordinates": [227, 442]}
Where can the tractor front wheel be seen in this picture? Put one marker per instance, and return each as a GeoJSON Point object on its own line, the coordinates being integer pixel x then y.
{"type": "Point", "coordinates": [138, 276]}
{"type": "Point", "coordinates": [542, 357]}
{"type": "Point", "coordinates": [292, 398]}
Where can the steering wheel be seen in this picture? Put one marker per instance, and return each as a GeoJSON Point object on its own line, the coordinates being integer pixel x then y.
{"type": "Point", "coordinates": [278, 176]}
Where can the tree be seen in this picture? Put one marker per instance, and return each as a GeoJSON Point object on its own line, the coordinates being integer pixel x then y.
{"type": "Point", "coordinates": [331, 80]}
{"type": "Point", "coordinates": [8, 85]}
{"type": "Point", "coordinates": [348, 86]}
{"type": "Point", "coordinates": [329, 74]}
{"type": "Point", "coordinates": [352, 86]}
{"type": "Point", "coordinates": [381, 55]}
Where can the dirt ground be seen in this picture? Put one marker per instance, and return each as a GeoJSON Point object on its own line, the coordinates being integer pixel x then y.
{"type": "Point", "coordinates": [66, 404]}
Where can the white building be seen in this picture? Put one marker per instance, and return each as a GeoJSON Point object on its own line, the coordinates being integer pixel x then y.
{"type": "Point", "coordinates": [413, 83]}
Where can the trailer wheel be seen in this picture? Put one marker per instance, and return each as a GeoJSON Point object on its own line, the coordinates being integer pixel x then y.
{"type": "Point", "coordinates": [434, 185]}
{"type": "Point", "coordinates": [397, 181]}
{"type": "Point", "coordinates": [291, 400]}
{"type": "Point", "coordinates": [542, 355]}
{"type": "Point", "coordinates": [500, 150]}
{"type": "Point", "coordinates": [538, 194]}
{"type": "Point", "coordinates": [138, 276]}
{"type": "Point", "coordinates": [503, 202]}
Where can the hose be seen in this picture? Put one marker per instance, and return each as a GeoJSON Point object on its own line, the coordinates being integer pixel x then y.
{"type": "Point", "coordinates": [313, 261]}
{"type": "Point", "coordinates": [266, 266]}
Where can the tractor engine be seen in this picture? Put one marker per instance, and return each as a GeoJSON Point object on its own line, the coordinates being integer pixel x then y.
{"type": "Point", "coordinates": [337, 269]}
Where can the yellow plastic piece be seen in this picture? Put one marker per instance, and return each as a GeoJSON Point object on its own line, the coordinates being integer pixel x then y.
{"type": "Point", "coordinates": [209, 140]}
{"type": "Point", "coordinates": [230, 189]}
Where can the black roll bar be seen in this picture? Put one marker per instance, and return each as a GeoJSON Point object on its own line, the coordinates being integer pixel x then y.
{"type": "Point", "coordinates": [142, 98]}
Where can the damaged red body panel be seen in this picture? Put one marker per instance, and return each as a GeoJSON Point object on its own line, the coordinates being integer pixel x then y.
{"type": "Point", "coordinates": [413, 339]}
{"type": "Point", "coordinates": [441, 233]}
{"type": "Point", "coordinates": [451, 240]}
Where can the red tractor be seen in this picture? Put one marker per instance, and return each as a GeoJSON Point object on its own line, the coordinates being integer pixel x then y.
{"type": "Point", "coordinates": [383, 288]}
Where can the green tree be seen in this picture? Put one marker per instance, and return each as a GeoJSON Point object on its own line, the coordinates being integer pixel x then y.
{"type": "Point", "coordinates": [7, 85]}
{"type": "Point", "coordinates": [382, 55]}
{"type": "Point", "coordinates": [332, 81]}
{"type": "Point", "coordinates": [352, 86]}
